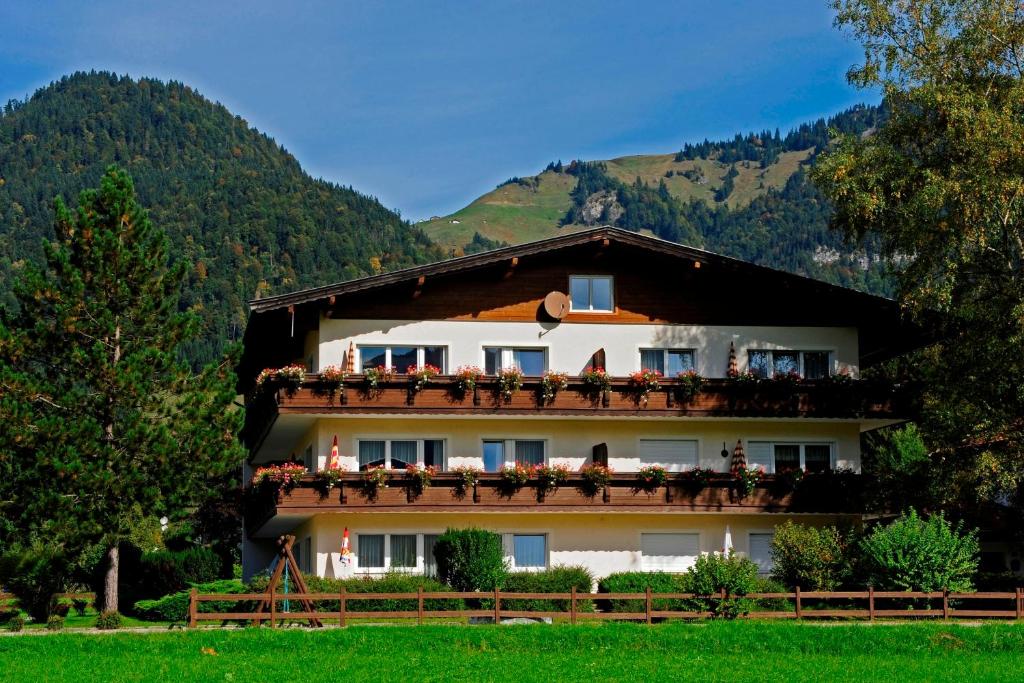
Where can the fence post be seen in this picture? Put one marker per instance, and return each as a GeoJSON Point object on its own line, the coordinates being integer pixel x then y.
{"type": "Point", "coordinates": [342, 600]}
{"type": "Point", "coordinates": [1019, 605]}
{"type": "Point", "coordinates": [945, 604]}
{"type": "Point", "coordinates": [193, 608]}
{"type": "Point", "coordinates": [799, 607]}
{"type": "Point", "coordinates": [647, 604]}
{"type": "Point", "coordinates": [273, 608]}
{"type": "Point", "coordinates": [871, 603]}
{"type": "Point", "coordinates": [721, 600]}
{"type": "Point", "coordinates": [419, 605]}
{"type": "Point", "coordinates": [497, 606]}
{"type": "Point", "coordinates": [572, 607]}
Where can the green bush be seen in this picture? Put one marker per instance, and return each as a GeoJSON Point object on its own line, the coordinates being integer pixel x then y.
{"type": "Point", "coordinates": [916, 554]}
{"type": "Point", "coordinates": [108, 621]}
{"type": "Point", "coordinates": [54, 623]}
{"type": "Point", "coordinates": [713, 572]}
{"type": "Point", "coordinates": [637, 582]}
{"type": "Point", "coordinates": [554, 580]}
{"type": "Point", "coordinates": [165, 571]}
{"type": "Point", "coordinates": [771, 604]}
{"type": "Point", "coordinates": [34, 576]}
{"type": "Point", "coordinates": [16, 623]}
{"type": "Point", "coordinates": [810, 557]}
{"type": "Point", "coordinates": [389, 583]}
{"type": "Point", "coordinates": [174, 607]}
{"type": "Point", "coordinates": [470, 559]}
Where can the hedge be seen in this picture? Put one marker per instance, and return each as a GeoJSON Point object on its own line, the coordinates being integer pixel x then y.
{"type": "Point", "coordinates": [165, 571]}
{"type": "Point", "coordinates": [664, 582]}
{"type": "Point", "coordinates": [174, 607]}
{"type": "Point", "coordinates": [554, 580]}
{"type": "Point", "coordinates": [389, 583]}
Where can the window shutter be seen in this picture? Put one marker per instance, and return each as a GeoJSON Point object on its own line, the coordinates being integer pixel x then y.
{"type": "Point", "coordinates": [759, 453]}
{"type": "Point", "coordinates": [674, 455]}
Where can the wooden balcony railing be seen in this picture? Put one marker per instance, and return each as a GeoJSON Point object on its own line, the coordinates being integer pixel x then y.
{"type": "Point", "coordinates": [717, 398]}
{"type": "Point", "coordinates": [833, 492]}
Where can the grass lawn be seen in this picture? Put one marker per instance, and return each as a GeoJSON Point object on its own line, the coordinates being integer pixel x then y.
{"type": "Point", "coordinates": [740, 651]}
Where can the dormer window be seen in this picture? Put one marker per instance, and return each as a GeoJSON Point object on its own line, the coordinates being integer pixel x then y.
{"type": "Point", "coordinates": [592, 293]}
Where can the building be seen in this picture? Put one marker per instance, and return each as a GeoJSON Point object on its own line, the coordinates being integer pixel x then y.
{"type": "Point", "coordinates": [631, 302]}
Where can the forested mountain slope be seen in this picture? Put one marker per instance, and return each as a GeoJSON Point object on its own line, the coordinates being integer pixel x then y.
{"type": "Point", "coordinates": [237, 206]}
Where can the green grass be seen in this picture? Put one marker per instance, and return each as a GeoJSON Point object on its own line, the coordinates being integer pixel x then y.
{"type": "Point", "coordinates": [746, 651]}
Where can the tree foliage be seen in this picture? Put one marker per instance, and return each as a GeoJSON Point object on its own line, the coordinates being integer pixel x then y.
{"type": "Point", "coordinates": [813, 558]}
{"type": "Point", "coordinates": [941, 187]}
{"type": "Point", "coordinates": [102, 418]}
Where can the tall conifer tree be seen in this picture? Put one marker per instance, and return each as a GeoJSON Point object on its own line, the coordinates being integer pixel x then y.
{"type": "Point", "coordinates": [101, 417]}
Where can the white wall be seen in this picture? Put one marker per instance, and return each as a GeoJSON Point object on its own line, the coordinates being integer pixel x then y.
{"type": "Point", "coordinates": [570, 345]}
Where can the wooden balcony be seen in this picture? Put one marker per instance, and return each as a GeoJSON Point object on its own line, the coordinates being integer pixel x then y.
{"type": "Point", "coordinates": [836, 492]}
{"type": "Point", "coordinates": [717, 398]}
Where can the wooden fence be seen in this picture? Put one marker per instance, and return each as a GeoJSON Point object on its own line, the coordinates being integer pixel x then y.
{"type": "Point", "coordinates": [895, 604]}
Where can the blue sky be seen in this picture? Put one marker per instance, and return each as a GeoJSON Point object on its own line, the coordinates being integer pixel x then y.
{"type": "Point", "coordinates": [428, 104]}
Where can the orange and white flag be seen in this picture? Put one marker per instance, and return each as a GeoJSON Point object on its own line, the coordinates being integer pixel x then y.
{"type": "Point", "coordinates": [346, 549]}
{"type": "Point", "coordinates": [335, 458]}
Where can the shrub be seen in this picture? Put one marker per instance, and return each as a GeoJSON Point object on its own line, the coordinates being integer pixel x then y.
{"type": "Point", "coordinates": [16, 623]}
{"type": "Point", "coordinates": [54, 623]}
{"type": "Point", "coordinates": [389, 583]}
{"type": "Point", "coordinates": [713, 572]}
{"type": "Point", "coordinates": [174, 607]}
{"type": "Point", "coordinates": [554, 580]}
{"type": "Point", "coordinates": [108, 621]}
{"type": "Point", "coordinates": [164, 572]}
{"type": "Point", "coordinates": [810, 557]}
{"type": "Point", "coordinates": [470, 559]}
{"type": "Point", "coordinates": [34, 576]}
{"type": "Point", "coordinates": [637, 582]}
{"type": "Point", "coordinates": [771, 604]}
{"type": "Point", "coordinates": [916, 554]}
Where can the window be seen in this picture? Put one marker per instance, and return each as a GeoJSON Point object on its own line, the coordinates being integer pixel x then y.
{"type": "Point", "coordinates": [429, 561]}
{"type": "Point", "coordinates": [761, 551]}
{"type": "Point", "coordinates": [590, 293]}
{"type": "Point", "coordinates": [674, 552]}
{"type": "Point", "coordinates": [307, 555]}
{"type": "Point", "coordinates": [807, 364]}
{"type": "Point", "coordinates": [527, 452]}
{"type": "Point", "coordinates": [529, 551]}
{"type": "Point", "coordinates": [669, 362]}
{"type": "Point", "coordinates": [783, 457]}
{"type": "Point", "coordinates": [403, 551]}
{"type": "Point", "coordinates": [401, 357]}
{"type": "Point", "coordinates": [371, 551]}
{"type": "Point", "coordinates": [397, 454]}
{"type": "Point", "coordinates": [675, 455]}
{"type": "Point", "coordinates": [532, 362]}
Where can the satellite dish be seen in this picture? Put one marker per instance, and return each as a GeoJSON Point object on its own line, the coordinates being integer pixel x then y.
{"type": "Point", "coordinates": [556, 305]}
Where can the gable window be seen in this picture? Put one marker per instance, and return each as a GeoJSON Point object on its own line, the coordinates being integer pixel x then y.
{"type": "Point", "coordinates": [532, 362]}
{"type": "Point", "coordinates": [401, 357]}
{"type": "Point", "coordinates": [776, 457]}
{"type": "Point", "coordinates": [673, 552]}
{"type": "Point", "coordinates": [675, 455]}
{"type": "Point", "coordinates": [505, 453]}
{"type": "Point", "coordinates": [807, 364]}
{"type": "Point", "coordinates": [397, 454]}
{"type": "Point", "coordinates": [591, 293]}
{"type": "Point", "coordinates": [669, 362]}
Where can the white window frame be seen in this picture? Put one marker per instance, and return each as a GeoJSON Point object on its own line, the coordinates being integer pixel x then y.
{"type": "Point", "coordinates": [800, 358]}
{"type": "Point", "coordinates": [673, 437]}
{"type": "Point", "coordinates": [419, 354]}
{"type": "Point", "coordinates": [802, 443]}
{"type": "Point", "coordinates": [760, 532]}
{"type": "Point", "coordinates": [690, 532]}
{"type": "Point", "coordinates": [508, 542]}
{"type": "Point", "coordinates": [590, 294]}
{"type": "Point", "coordinates": [510, 448]}
{"type": "Point", "coordinates": [664, 357]}
{"type": "Point", "coordinates": [388, 567]}
{"type": "Point", "coordinates": [387, 448]}
{"type": "Point", "coordinates": [508, 354]}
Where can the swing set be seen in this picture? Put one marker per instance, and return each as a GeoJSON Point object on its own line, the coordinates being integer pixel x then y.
{"type": "Point", "coordinates": [284, 567]}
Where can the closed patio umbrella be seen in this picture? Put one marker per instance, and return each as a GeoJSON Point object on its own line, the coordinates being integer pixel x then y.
{"type": "Point", "coordinates": [350, 359]}
{"type": "Point", "coordinates": [739, 457]}
{"type": "Point", "coordinates": [733, 367]}
{"type": "Point", "coordinates": [346, 549]}
{"type": "Point", "coordinates": [727, 543]}
{"type": "Point", "coordinates": [335, 457]}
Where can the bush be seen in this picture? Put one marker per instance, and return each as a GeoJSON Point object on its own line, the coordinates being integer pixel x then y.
{"type": "Point", "coordinates": [470, 559]}
{"type": "Point", "coordinates": [554, 580]}
{"type": "Point", "coordinates": [166, 571]}
{"type": "Point", "coordinates": [389, 583]}
{"type": "Point", "coordinates": [771, 604]}
{"type": "Point", "coordinates": [174, 607]}
{"type": "Point", "coordinates": [108, 621]}
{"type": "Point", "coordinates": [16, 623]}
{"type": "Point", "coordinates": [35, 576]}
{"type": "Point", "coordinates": [54, 623]}
{"type": "Point", "coordinates": [637, 582]}
{"type": "Point", "coordinates": [809, 557]}
{"type": "Point", "coordinates": [915, 554]}
{"type": "Point", "coordinates": [713, 572]}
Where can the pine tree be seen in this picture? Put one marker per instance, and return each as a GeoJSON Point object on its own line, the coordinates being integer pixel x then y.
{"type": "Point", "coordinates": [101, 416]}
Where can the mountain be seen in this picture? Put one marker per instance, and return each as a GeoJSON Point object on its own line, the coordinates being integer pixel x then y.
{"type": "Point", "coordinates": [747, 197]}
{"type": "Point", "coordinates": [235, 204]}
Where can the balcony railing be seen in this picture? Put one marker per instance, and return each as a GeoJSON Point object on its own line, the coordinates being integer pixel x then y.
{"type": "Point", "coordinates": [717, 398]}
{"type": "Point", "coordinates": [828, 492]}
